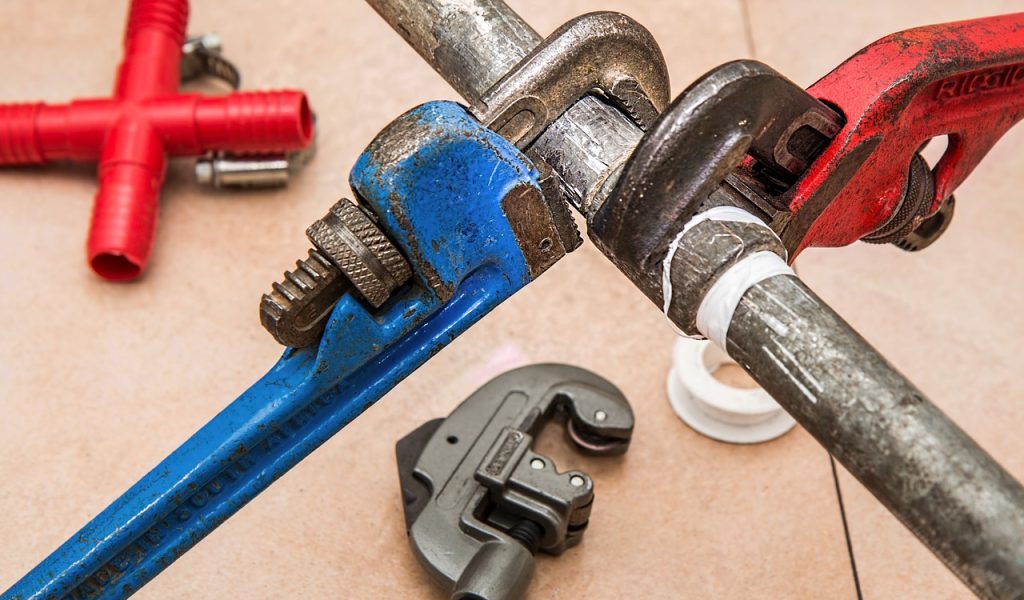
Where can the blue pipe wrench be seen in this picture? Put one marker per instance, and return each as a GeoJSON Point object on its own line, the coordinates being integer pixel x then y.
{"type": "Point", "coordinates": [469, 212]}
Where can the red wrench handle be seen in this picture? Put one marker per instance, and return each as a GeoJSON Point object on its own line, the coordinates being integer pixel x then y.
{"type": "Point", "coordinates": [964, 80]}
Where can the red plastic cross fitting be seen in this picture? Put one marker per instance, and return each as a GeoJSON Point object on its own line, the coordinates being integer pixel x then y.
{"type": "Point", "coordinates": [132, 134]}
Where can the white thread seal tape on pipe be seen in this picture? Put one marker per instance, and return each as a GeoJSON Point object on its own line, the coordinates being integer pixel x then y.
{"type": "Point", "coordinates": [717, 307]}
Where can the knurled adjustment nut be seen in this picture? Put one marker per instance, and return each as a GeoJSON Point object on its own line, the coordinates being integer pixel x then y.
{"type": "Point", "coordinates": [361, 251]}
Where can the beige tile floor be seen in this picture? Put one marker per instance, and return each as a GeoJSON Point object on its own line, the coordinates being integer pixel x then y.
{"type": "Point", "coordinates": [101, 381]}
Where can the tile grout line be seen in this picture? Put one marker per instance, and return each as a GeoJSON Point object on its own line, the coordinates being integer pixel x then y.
{"type": "Point", "coordinates": [846, 528]}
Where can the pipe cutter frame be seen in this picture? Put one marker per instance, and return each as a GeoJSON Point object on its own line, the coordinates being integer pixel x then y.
{"type": "Point", "coordinates": [480, 502]}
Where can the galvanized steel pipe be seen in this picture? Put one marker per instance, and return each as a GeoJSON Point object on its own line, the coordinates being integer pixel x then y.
{"type": "Point", "coordinates": [926, 470]}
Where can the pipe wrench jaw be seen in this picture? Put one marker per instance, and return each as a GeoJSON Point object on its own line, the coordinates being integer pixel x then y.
{"type": "Point", "coordinates": [479, 501]}
{"type": "Point", "coordinates": [468, 163]}
{"type": "Point", "coordinates": [702, 152]}
{"type": "Point", "coordinates": [439, 197]}
{"type": "Point", "coordinates": [456, 200]}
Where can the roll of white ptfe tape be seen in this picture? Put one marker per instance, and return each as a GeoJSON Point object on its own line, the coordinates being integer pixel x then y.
{"type": "Point", "coordinates": [716, 409]}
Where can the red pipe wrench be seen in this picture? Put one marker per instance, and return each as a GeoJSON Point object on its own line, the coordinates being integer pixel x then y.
{"type": "Point", "coordinates": [964, 80]}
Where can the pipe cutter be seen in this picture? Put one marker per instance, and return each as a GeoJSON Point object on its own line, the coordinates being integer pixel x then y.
{"type": "Point", "coordinates": [480, 502]}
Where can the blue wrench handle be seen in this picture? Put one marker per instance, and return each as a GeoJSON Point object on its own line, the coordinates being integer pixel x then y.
{"type": "Point", "coordinates": [457, 234]}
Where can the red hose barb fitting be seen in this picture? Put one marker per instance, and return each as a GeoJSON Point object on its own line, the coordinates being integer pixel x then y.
{"type": "Point", "coordinates": [132, 134]}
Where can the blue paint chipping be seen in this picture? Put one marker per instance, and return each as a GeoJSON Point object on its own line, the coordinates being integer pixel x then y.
{"type": "Point", "coordinates": [440, 201]}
